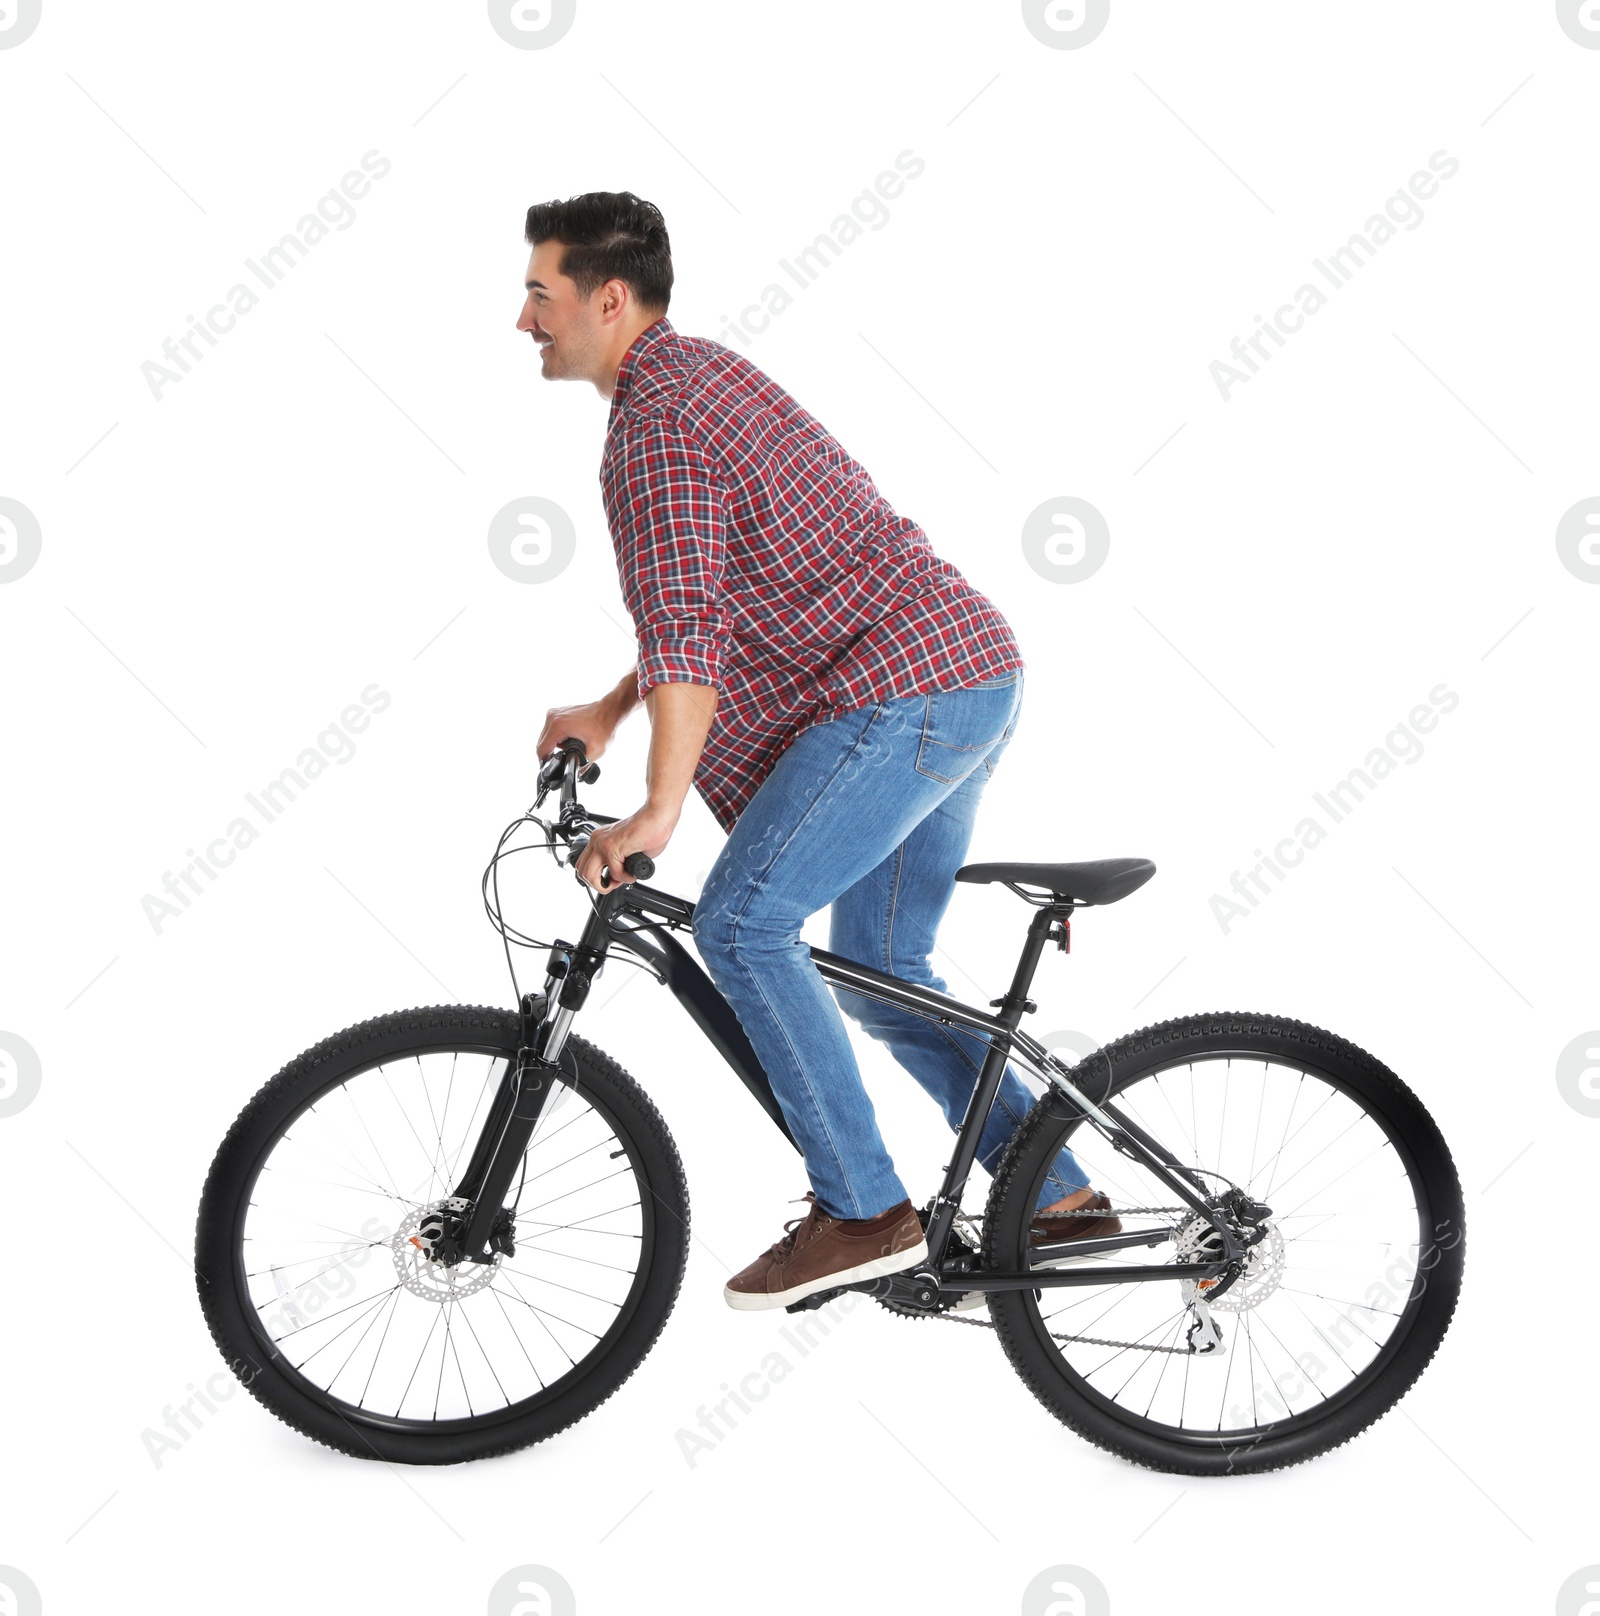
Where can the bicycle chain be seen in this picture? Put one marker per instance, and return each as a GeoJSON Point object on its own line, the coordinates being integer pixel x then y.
{"type": "Point", "coordinates": [949, 1317]}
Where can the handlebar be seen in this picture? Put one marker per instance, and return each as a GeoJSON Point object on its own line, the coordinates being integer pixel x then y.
{"type": "Point", "coordinates": [569, 765]}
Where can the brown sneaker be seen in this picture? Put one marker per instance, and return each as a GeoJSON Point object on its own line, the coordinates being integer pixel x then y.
{"type": "Point", "coordinates": [818, 1252]}
{"type": "Point", "coordinates": [1054, 1228]}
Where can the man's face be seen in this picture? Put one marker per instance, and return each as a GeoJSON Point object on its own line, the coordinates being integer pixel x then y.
{"type": "Point", "coordinates": [562, 323]}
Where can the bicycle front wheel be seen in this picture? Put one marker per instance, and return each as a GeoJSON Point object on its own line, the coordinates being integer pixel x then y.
{"type": "Point", "coordinates": [312, 1246]}
{"type": "Point", "coordinates": [1339, 1307]}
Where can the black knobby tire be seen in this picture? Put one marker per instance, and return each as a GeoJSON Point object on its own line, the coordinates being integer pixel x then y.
{"type": "Point", "coordinates": [236, 1323]}
{"type": "Point", "coordinates": [1422, 1320]}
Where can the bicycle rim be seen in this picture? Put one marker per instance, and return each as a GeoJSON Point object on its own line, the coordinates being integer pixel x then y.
{"type": "Point", "coordinates": [338, 1290]}
{"type": "Point", "coordinates": [1315, 1320]}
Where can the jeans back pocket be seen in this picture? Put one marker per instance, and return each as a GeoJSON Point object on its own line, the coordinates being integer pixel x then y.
{"type": "Point", "coordinates": [961, 727]}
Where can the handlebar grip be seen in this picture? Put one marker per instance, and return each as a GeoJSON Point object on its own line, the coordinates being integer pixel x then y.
{"type": "Point", "coordinates": [588, 774]}
{"type": "Point", "coordinates": [640, 866]}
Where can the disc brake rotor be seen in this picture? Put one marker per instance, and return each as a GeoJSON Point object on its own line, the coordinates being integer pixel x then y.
{"type": "Point", "coordinates": [412, 1247]}
{"type": "Point", "coordinates": [1197, 1241]}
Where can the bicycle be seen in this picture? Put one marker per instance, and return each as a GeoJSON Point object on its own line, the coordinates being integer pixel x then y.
{"type": "Point", "coordinates": [387, 1300]}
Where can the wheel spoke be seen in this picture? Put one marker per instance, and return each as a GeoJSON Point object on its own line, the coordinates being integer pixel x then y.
{"type": "Point", "coordinates": [376, 1303]}
{"type": "Point", "coordinates": [339, 1248]}
{"type": "Point", "coordinates": [1344, 1215]}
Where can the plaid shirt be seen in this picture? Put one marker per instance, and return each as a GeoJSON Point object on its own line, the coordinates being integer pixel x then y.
{"type": "Point", "coordinates": [755, 555]}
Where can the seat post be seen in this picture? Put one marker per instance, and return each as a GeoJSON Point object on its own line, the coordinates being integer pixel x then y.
{"type": "Point", "coordinates": [990, 1077]}
{"type": "Point", "coordinates": [1016, 999]}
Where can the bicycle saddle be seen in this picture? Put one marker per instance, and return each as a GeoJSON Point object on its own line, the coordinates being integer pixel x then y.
{"type": "Point", "coordinates": [1097, 881]}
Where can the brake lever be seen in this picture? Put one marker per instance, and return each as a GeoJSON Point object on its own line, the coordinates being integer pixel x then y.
{"type": "Point", "coordinates": [551, 773]}
{"type": "Point", "coordinates": [638, 864]}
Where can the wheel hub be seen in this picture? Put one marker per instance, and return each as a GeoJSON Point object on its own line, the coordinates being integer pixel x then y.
{"type": "Point", "coordinates": [414, 1244]}
{"type": "Point", "coordinates": [1198, 1241]}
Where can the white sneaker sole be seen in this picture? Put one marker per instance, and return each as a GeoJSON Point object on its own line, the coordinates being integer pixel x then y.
{"type": "Point", "coordinates": [756, 1302]}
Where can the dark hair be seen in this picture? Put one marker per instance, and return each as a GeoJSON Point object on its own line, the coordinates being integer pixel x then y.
{"type": "Point", "coordinates": [608, 235]}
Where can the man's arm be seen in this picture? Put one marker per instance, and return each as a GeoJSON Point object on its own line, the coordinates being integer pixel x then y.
{"type": "Point", "coordinates": [668, 513]}
{"type": "Point", "coordinates": [680, 719]}
{"type": "Point", "coordinates": [669, 524]}
{"type": "Point", "coordinates": [592, 722]}
{"type": "Point", "coordinates": [625, 697]}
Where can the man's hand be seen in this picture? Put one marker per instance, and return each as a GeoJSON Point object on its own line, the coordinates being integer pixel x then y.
{"type": "Point", "coordinates": [592, 722]}
{"type": "Point", "coordinates": [647, 831]}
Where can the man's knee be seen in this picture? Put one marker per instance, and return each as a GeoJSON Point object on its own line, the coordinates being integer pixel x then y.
{"type": "Point", "coordinates": [876, 1015]}
{"type": "Point", "coordinates": [917, 971]}
{"type": "Point", "coordinates": [858, 1007]}
{"type": "Point", "coordinates": [712, 929]}
{"type": "Point", "coordinates": [881, 1020]}
{"type": "Point", "coordinates": [723, 926]}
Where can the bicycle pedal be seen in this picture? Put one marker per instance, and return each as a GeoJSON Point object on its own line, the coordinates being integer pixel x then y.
{"type": "Point", "coordinates": [817, 1299]}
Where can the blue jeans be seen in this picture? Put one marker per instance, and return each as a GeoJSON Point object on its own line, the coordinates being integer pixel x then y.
{"type": "Point", "coordinates": [870, 811]}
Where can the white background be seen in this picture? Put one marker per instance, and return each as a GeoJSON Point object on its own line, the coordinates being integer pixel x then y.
{"type": "Point", "coordinates": [305, 514]}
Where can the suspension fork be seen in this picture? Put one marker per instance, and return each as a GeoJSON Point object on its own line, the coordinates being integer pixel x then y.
{"type": "Point", "coordinates": [525, 1089]}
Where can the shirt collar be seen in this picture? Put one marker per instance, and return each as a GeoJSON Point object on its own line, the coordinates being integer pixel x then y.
{"type": "Point", "coordinates": [637, 356]}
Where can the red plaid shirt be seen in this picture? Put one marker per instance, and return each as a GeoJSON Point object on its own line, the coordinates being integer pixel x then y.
{"type": "Point", "coordinates": [755, 555]}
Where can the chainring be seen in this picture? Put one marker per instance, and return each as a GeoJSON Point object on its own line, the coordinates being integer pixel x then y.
{"type": "Point", "coordinates": [969, 1244]}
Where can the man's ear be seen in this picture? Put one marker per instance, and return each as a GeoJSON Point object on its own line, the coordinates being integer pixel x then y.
{"type": "Point", "coordinates": [614, 299]}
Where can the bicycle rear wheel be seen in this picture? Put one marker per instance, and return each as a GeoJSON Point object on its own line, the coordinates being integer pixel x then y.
{"type": "Point", "coordinates": [1341, 1306]}
{"type": "Point", "coordinates": [312, 1245]}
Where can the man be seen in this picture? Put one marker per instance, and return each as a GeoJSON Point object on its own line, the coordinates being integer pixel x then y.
{"type": "Point", "coordinates": [838, 695]}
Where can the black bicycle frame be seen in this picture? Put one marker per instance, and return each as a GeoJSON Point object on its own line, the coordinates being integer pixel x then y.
{"type": "Point", "coordinates": [641, 918]}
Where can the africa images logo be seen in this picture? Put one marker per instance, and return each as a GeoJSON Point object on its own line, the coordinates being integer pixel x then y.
{"type": "Point", "coordinates": [1580, 21]}
{"type": "Point", "coordinates": [1577, 539]}
{"type": "Point", "coordinates": [1066, 24]}
{"type": "Point", "coordinates": [532, 1590]}
{"type": "Point", "coordinates": [18, 19]}
{"type": "Point", "coordinates": [18, 1594]}
{"type": "Point", "coordinates": [532, 24]}
{"type": "Point", "coordinates": [1066, 540]}
{"type": "Point", "coordinates": [532, 540]}
{"type": "Point", "coordinates": [20, 540]}
{"type": "Point", "coordinates": [21, 1075]}
{"type": "Point", "coordinates": [1066, 1590]}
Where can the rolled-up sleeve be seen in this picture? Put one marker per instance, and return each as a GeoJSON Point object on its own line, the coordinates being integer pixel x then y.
{"type": "Point", "coordinates": [668, 512]}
